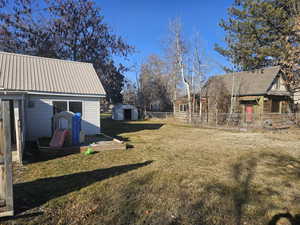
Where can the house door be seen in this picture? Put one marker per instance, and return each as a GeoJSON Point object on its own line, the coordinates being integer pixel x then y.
{"type": "Point", "coordinates": [249, 113]}
{"type": "Point", "coordinates": [127, 114]}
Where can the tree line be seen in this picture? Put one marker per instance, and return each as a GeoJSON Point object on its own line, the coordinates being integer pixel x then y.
{"type": "Point", "coordinates": [65, 29]}
{"type": "Point", "coordinates": [258, 34]}
{"type": "Point", "coordinates": [163, 79]}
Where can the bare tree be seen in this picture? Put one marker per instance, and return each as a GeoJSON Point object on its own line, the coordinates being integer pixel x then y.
{"type": "Point", "coordinates": [171, 60]}
{"type": "Point", "coordinates": [130, 93]}
{"type": "Point", "coordinates": [155, 84]}
{"type": "Point", "coordinates": [218, 97]}
{"type": "Point", "coordinates": [198, 71]}
{"type": "Point", "coordinates": [178, 55]}
{"type": "Point", "coordinates": [65, 29]}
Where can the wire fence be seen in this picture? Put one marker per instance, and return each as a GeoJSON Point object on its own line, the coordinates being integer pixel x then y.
{"type": "Point", "coordinates": [159, 115]}
{"type": "Point", "coordinates": [245, 120]}
{"type": "Point", "coordinates": [234, 120]}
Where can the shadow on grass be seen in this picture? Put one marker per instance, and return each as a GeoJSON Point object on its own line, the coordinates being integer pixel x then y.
{"type": "Point", "coordinates": [36, 193]}
{"type": "Point", "coordinates": [37, 156]}
{"type": "Point", "coordinates": [243, 174]}
{"type": "Point", "coordinates": [115, 128]}
{"type": "Point", "coordinates": [229, 203]}
{"type": "Point", "coordinates": [283, 165]}
{"type": "Point", "coordinates": [223, 203]}
{"type": "Point", "coordinates": [131, 206]}
{"type": "Point", "coordinates": [23, 216]}
{"type": "Point", "coordinates": [33, 154]}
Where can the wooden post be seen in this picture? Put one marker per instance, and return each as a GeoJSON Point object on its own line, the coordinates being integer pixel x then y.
{"type": "Point", "coordinates": [6, 181]}
{"type": "Point", "coordinates": [18, 131]}
{"type": "Point", "coordinates": [280, 107]}
{"type": "Point", "coordinates": [261, 105]}
{"type": "Point", "coordinates": [216, 115]}
{"type": "Point", "coordinates": [23, 125]}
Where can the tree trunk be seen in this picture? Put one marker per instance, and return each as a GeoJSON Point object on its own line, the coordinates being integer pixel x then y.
{"type": "Point", "coordinates": [200, 109]}
{"type": "Point", "coordinates": [174, 102]}
{"type": "Point", "coordinates": [188, 95]}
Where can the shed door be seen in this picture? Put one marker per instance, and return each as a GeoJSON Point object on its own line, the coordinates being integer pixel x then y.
{"type": "Point", "coordinates": [249, 113]}
{"type": "Point", "coordinates": [127, 114]}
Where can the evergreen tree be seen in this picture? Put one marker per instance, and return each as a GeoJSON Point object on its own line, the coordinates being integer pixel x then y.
{"type": "Point", "coordinates": [262, 33]}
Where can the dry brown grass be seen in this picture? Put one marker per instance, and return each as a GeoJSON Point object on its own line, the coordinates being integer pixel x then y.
{"type": "Point", "coordinates": [174, 174]}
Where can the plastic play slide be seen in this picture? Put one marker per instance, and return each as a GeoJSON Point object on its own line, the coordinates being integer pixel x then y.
{"type": "Point", "coordinates": [58, 138]}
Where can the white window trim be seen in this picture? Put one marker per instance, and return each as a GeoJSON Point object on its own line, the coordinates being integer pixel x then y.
{"type": "Point", "coordinates": [68, 104]}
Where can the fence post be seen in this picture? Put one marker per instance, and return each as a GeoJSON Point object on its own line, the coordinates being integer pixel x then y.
{"type": "Point", "coordinates": [6, 182]}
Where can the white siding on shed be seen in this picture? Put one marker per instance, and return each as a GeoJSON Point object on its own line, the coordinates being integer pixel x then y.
{"type": "Point", "coordinates": [91, 117]}
{"type": "Point", "coordinates": [118, 112]}
{"type": "Point", "coordinates": [39, 117]}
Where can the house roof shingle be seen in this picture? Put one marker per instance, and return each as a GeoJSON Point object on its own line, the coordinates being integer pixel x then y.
{"type": "Point", "coordinates": [248, 82]}
{"type": "Point", "coordinates": [38, 74]}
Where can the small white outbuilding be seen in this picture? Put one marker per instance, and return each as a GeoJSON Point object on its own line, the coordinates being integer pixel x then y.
{"type": "Point", "coordinates": [38, 88]}
{"type": "Point", "coordinates": [124, 112]}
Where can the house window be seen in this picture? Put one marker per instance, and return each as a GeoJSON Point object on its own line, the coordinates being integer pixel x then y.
{"type": "Point", "coordinates": [275, 106]}
{"type": "Point", "coordinates": [75, 107]}
{"type": "Point", "coordinates": [59, 106]}
{"type": "Point", "coordinates": [182, 108]}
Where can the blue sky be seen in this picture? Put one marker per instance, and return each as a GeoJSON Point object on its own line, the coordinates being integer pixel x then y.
{"type": "Point", "coordinates": [144, 24]}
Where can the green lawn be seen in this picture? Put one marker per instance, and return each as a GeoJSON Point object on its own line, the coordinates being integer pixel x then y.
{"type": "Point", "coordinates": [105, 115]}
{"type": "Point", "coordinates": [172, 174]}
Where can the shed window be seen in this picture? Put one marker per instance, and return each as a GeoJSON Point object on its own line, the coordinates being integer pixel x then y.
{"type": "Point", "coordinates": [75, 107]}
{"type": "Point", "coordinates": [59, 106]}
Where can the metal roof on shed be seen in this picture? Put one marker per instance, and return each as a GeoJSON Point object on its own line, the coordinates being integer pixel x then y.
{"type": "Point", "coordinates": [38, 74]}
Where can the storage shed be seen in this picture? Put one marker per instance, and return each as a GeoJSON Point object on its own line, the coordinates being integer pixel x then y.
{"type": "Point", "coordinates": [37, 88]}
{"type": "Point", "coordinates": [124, 112]}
